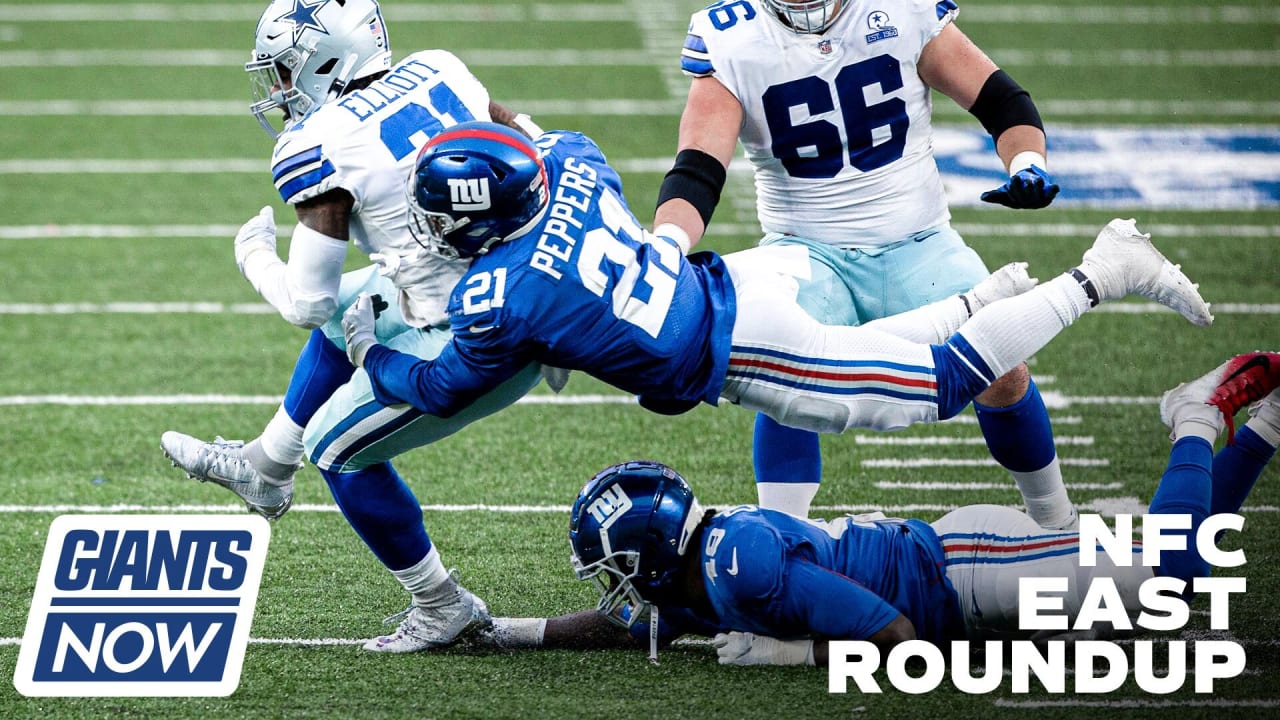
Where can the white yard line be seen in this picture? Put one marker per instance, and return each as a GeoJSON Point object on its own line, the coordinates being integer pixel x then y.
{"type": "Point", "coordinates": [898, 463]}
{"type": "Point", "coordinates": [1055, 110]}
{"type": "Point", "coordinates": [126, 400]}
{"type": "Point", "coordinates": [1074, 231]}
{"type": "Point", "coordinates": [1100, 505]}
{"type": "Point", "coordinates": [934, 485]}
{"type": "Point", "coordinates": [217, 308]}
{"type": "Point", "coordinates": [603, 57]}
{"type": "Point", "coordinates": [603, 12]}
{"type": "Point", "coordinates": [934, 441]}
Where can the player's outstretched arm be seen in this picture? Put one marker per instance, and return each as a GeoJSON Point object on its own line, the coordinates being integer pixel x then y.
{"type": "Point", "coordinates": [956, 67]}
{"type": "Point", "coordinates": [708, 136]}
{"type": "Point", "coordinates": [305, 289]}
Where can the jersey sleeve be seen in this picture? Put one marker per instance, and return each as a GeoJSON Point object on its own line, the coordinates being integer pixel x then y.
{"type": "Point", "coordinates": [484, 352]}
{"type": "Point", "coordinates": [934, 15]}
{"type": "Point", "coordinates": [695, 61]}
{"type": "Point", "coordinates": [760, 574]}
{"type": "Point", "coordinates": [831, 605]}
{"type": "Point", "coordinates": [300, 167]}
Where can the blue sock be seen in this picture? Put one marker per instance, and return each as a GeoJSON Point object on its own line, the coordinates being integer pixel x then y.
{"type": "Point", "coordinates": [1019, 436]}
{"type": "Point", "coordinates": [384, 512]}
{"type": "Point", "coordinates": [322, 367]}
{"type": "Point", "coordinates": [784, 454]}
{"type": "Point", "coordinates": [961, 373]}
{"type": "Point", "coordinates": [1186, 488]}
{"type": "Point", "coordinates": [1236, 468]}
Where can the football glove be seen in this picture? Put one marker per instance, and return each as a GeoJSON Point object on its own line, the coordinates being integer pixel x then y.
{"type": "Point", "coordinates": [357, 327]}
{"type": "Point", "coordinates": [258, 234]}
{"type": "Point", "coordinates": [737, 648]}
{"type": "Point", "coordinates": [1027, 189]}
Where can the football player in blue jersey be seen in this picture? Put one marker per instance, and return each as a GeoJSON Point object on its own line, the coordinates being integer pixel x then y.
{"type": "Point", "coordinates": [353, 122]}
{"type": "Point", "coordinates": [832, 103]}
{"type": "Point", "coordinates": [563, 274]}
{"type": "Point", "coordinates": [774, 587]}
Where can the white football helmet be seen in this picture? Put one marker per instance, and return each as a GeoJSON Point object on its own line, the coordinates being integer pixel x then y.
{"type": "Point", "coordinates": [806, 16]}
{"type": "Point", "coordinates": [307, 51]}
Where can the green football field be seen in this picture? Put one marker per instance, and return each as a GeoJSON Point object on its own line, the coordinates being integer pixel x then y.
{"type": "Point", "coordinates": [128, 160]}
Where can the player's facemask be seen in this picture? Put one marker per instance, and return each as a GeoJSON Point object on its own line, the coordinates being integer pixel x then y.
{"type": "Point", "coordinates": [809, 17]}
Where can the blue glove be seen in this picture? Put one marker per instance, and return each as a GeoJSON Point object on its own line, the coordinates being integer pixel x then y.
{"type": "Point", "coordinates": [1029, 189]}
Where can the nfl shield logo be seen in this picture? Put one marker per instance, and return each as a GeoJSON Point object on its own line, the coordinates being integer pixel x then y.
{"type": "Point", "coordinates": [824, 47]}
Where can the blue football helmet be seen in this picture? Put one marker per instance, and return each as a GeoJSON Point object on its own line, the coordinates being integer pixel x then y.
{"type": "Point", "coordinates": [628, 532]}
{"type": "Point", "coordinates": [307, 53]}
{"type": "Point", "coordinates": [806, 16]}
{"type": "Point", "coordinates": [475, 185]}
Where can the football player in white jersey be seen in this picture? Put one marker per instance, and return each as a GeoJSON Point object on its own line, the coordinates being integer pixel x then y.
{"type": "Point", "coordinates": [831, 102]}
{"type": "Point", "coordinates": [352, 125]}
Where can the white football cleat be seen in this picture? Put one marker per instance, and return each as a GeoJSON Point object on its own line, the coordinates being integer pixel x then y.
{"type": "Point", "coordinates": [222, 463]}
{"type": "Point", "coordinates": [1009, 281]}
{"type": "Point", "coordinates": [1123, 262]}
{"type": "Point", "coordinates": [460, 616]}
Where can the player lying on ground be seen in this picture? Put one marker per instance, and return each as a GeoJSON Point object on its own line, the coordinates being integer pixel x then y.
{"type": "Point", "coordinates": [353, 124]}
{"type": "Point", "coordinates": [565, 275]}
{"type": "Point", "coordinates": [638, 533]}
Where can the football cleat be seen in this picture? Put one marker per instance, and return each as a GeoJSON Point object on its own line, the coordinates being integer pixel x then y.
{"type": "Point", "coordinates": [1123, 262]}
{"type": "Point", "coordinates": [1224, 391]}
{"type": "Point", "coordinates": [462, 615]}
{"type": "Point", "coordinates": [222, 462]}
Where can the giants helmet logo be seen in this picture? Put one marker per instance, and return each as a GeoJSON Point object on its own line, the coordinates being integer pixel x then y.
{"type": "Point", "coordinates": [469, 194]}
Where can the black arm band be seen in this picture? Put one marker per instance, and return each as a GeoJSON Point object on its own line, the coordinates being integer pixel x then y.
{"type": "Point", "coordinates": [1002, 104]}
{"type": "Point", "coordinates": [697, 178]}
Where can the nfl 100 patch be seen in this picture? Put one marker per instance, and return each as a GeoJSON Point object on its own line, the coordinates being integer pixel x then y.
{"type": "Point", "coordinates": [142, 605]}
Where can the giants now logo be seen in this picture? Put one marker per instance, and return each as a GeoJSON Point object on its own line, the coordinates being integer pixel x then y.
{"type": "Point", "coordinates": [142, 605]}
{"type": "Point", "coordinates": [469, 193]}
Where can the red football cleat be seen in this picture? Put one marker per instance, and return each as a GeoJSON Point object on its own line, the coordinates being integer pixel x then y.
{"type": "Point", "coordinates": [1246, 379]}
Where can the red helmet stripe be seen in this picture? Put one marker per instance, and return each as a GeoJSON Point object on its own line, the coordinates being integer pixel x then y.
{"type": "Point", "coordinates": [480, 134]}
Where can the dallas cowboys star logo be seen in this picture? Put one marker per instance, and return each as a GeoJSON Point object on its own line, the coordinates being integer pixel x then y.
{"type": "Point", "coordinates": [303, 16]}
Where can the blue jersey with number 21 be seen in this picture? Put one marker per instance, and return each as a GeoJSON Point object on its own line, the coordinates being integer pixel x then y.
{"type": "Point", "coordinates": [586, 288]}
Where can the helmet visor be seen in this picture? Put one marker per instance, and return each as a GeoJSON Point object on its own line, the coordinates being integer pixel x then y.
{"type": "Point", "coordinates": [270, 90]}
{"type": "Point", "coordinates": [620, 602]}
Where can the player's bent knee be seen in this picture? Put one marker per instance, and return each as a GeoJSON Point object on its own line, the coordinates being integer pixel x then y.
{"type": "Point", "coordinates": [815, 415]}
{"type": "Point", "coordinates": [1007, 389]}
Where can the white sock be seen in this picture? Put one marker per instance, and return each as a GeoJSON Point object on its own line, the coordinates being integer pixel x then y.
{"type": "Point", "coordinates": [929, 324]}
{"type": "Point", "coordinates": [1045, 495]}
{"type": "Point", "coordinates": [1007, 332]}
{"type": "Point", "coordinates": [519, 633]}
{"type": "Point", "coordinates": [427, 581]}
{"type": "Point", "coordinates": [281, 439]}
{"type": "Point", "coordinates": [1266, 422]}
{"type": "Point", "coordinates": [793, 498]}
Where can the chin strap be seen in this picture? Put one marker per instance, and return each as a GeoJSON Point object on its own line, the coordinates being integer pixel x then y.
{"type": "Point", "coordinates": [653, 634]}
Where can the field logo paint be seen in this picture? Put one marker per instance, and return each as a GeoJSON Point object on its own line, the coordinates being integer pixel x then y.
{"type": "Point", "coordinates": [142, 606]}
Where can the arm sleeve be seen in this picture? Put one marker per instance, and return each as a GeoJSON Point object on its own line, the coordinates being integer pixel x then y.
{"type": "Point", "coordinates": [305, 290]}
{"type": "Point", "coordinates": [832, 605]}
{"type": "Point", "coordinates": [467, 368]}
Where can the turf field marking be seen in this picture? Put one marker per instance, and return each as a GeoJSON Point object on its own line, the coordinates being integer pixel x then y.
{"type": "Point", "coordinates": [1099, 505]}
{"type": "Point", "coordinates": [113, 400]}
{"type": "Point", "coordinates": [1052, 399]}
{"type": "Point", "coordinates": [881, 439]}
{"type": "Point", "coordinates": [1056, 110]}
{"type": "Point", "coordinates": [1005, 230]}
{"type": "Point", "coordinates": [966, 462]}
{"type": "Point", "coordinates": [603, 57]}
{"type": "Point", "coordinates": [898, 485]}
{"type": "Point", "coordinates": [455, 12]}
